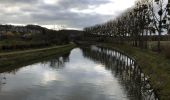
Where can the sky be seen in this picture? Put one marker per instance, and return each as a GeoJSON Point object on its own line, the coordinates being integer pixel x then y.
{"type": "Point", "coordinates": [70, 14]}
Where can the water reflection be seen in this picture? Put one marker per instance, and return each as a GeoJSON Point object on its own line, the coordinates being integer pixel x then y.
{"type": "Point", "coordinates": [86, 74]}
{"type": "Point", "coordinates": [126, 70]}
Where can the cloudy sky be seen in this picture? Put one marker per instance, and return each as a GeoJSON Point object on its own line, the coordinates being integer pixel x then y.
{"type": "Point", "coordinates": [75, 14]}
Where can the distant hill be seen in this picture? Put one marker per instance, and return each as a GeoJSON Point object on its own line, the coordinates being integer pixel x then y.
{"type": "Point", "coordinates": [36, 32]}
{"type": "Point", "coordinates": [36, 29]}
{"type": "Point", "coordinates": [34, 36]}
{"type": "Point", "coordinates": [73, 34]}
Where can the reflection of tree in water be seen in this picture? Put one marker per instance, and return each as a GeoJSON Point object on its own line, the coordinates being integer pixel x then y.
{"type": "Point", "coordinates": [126, 70]}
{"type": "Point", "coordinates": [43, 61]}
{"type": "Point", "coordinates": [2, 80]}
{"type": "Point", "coordinates": [59, 62]}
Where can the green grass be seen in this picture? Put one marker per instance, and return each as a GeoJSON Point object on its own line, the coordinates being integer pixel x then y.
{"type": "Point", "coordinates": [155, 65]}
{"type": "Point", "coordinates": [31, 50]}
{"type": "Point", "coordinates": [153, 44]}
{"type": "Point", "coordinates": [162, 42]}
{"type": "Point", "coordinates": [11, 59]}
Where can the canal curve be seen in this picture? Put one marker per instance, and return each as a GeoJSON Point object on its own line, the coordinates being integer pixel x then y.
{"type": "Point", "coordinates": [90, 73]}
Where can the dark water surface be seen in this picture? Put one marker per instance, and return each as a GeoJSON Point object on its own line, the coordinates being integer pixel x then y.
{"type": "Point", "coordinates": [80, 75]}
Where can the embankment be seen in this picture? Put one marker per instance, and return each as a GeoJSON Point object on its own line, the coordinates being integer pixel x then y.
{"type": "Point", "coordinates": [18, 58]}
{"type": "Point", "coordinates": [155, 65]}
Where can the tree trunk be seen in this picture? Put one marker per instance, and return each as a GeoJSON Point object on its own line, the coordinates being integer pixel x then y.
{"type": "Point", "coordinates": [159, 34]}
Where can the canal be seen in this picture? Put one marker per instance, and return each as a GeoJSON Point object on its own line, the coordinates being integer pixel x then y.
{"type": "Point", "coordinates": [83, 74]}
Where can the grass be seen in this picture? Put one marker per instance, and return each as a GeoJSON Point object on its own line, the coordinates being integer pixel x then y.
{"type": "Point", "coordinates": [153, 44]}
{"type": "Point", "coordinates": [17, 45]}
{"type": "Point", "coordinates": [155, 65]}
{"type": "Point", "coordinates": [11, 59]}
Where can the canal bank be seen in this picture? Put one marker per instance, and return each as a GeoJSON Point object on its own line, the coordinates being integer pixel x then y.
{"type": "Point", "coordinates": [84, 74]}
{"type": "Point", "coordinates": [18, 58]}
{"type": "Point", "coordinates": [155, 65]}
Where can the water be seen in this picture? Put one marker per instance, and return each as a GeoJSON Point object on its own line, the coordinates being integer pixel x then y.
{"type": "Point", "coordinates": [80, 75]}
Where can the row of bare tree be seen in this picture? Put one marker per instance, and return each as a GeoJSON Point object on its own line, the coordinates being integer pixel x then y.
{"type": "Point", "coordinates": [146, 18]}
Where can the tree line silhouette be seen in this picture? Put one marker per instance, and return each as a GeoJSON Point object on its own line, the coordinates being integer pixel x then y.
{"type": "Point", "coordinates": [137, 25]}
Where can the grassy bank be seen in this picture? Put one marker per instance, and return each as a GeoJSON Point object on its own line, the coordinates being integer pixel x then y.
{"type": "Point", "coordinates": [155, 65]}
{"type": "Point", "coordinates": [17, 58]}
{"type": "Point", "coordinates": [18, 45]}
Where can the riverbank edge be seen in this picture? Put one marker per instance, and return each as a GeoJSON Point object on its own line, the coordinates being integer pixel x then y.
{"type": "Point", "coordinates": [155, 65]}
{"type": "Point", "coordinates": [18, 58]}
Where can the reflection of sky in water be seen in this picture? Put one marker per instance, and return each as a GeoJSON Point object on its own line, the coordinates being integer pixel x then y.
{"type": "Point", "coordinates": [80, 78]}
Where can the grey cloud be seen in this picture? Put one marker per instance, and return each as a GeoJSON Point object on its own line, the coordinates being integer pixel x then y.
{"type": "Point", "coordinates": [60, 13]}
{"type": "Point", "coordinates": [81, 4]}
{"type": "Point", "coordinates": [17, 1]}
